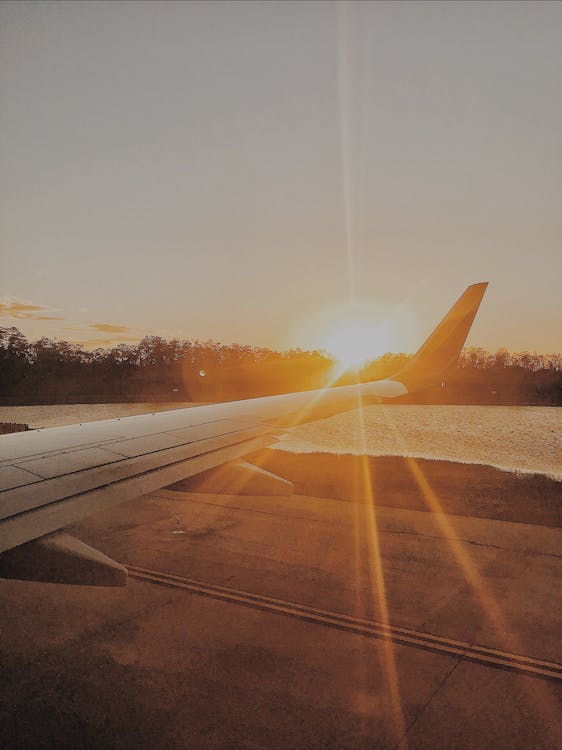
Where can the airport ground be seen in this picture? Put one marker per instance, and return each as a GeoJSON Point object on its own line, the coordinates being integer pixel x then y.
{"type": "Point", "coordinates": [275, 649]}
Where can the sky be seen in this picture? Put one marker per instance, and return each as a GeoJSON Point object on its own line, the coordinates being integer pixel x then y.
{"type": "Point", "coordinates": [261, 171]}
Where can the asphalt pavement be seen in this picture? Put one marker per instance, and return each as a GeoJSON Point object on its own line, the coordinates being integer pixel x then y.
{"type": "Point", "coordinates": [165, 666]}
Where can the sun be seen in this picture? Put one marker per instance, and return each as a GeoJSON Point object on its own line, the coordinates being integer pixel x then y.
{"type": "Point", "coordinates": [356, 340]}
{"type": "Point", "coordinates": [353, 333]}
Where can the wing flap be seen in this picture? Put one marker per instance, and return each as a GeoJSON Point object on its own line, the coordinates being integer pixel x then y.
{"type": "Point", "coordinates": [39, 443]}
{"type": "Point", "coordinates": [14, 476]}
{"type": "Point", "coordinates": [48, 467]}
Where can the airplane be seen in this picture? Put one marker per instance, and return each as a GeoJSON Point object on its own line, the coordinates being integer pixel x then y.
{"type": "Point", "coordinates": [51, 478]}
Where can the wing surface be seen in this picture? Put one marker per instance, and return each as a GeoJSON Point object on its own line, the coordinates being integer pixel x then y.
{"type": "Point", "coordinates": [60, 474]}
{"type": "Point", "coordinates": [53, 477]}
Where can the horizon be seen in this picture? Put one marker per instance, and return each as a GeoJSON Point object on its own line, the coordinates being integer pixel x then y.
{"type": "Point", "coordinates": [466, 350]}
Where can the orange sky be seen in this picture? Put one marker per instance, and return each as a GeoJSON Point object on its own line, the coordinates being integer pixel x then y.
{"type": "Point", "coordinates": [243, 171]}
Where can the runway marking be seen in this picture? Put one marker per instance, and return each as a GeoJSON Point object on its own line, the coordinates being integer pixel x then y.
{"type": "Point", "coordinates": [369, 628]}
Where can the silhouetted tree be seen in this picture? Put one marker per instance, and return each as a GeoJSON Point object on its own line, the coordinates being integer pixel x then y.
{"type": "Point", "coordinates": [47, 371]}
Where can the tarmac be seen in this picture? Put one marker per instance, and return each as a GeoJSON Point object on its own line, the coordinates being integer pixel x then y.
{"type": "Point", "coordinates": [167, 664]}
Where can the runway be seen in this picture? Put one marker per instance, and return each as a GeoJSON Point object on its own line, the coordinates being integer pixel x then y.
{"type": "Point", "coordinates": [256, 622]}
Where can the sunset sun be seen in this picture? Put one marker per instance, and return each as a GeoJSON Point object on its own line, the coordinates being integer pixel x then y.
{"type": "Point", "coordinates": [357, 340]}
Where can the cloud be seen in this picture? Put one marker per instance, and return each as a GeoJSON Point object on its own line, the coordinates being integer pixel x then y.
{"type": "Point", "coordinates": [15, 309]}
{"type": "Point", "coordinates": [106, 343]}
{"type": "Point", "coordinates": [108, 328]}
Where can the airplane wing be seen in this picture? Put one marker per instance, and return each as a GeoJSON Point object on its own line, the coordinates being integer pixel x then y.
{"type": "Point", "coordinates": [53, 477]}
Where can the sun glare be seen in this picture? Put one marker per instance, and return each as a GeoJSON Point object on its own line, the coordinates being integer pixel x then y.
{"type": "Point", "coordinates": [354, 333]}
{"type": "Point", "coordinates": [355, 341]}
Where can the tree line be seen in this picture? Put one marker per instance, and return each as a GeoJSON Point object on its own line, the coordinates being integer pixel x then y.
{"type": "Point", "coordinates": [158, 369]}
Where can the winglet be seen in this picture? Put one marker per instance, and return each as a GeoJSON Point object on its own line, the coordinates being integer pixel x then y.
{"type": "Point", "coordinates": [445, 343]}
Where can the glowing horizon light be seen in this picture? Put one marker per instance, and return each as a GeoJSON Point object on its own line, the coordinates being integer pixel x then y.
{"type": "Point", "coordinates": [356, 332]}
{"type": "Point", "coordinates": [356, 341]}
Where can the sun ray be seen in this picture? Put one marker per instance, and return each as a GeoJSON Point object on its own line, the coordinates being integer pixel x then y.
{"type": "Point", "coordinates": [344, 110]}
{"type": "Point", "coordinates": [378, 583]}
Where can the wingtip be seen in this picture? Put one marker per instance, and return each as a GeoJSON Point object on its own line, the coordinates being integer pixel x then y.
{"type": "Point", "coordinates": [476, 291]}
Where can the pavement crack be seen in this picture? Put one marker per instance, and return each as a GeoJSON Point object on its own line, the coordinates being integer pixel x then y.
{"type": "Point", "coordinates": [473, 542]}
{"type": "Point", "coordinates": [402, 742]}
